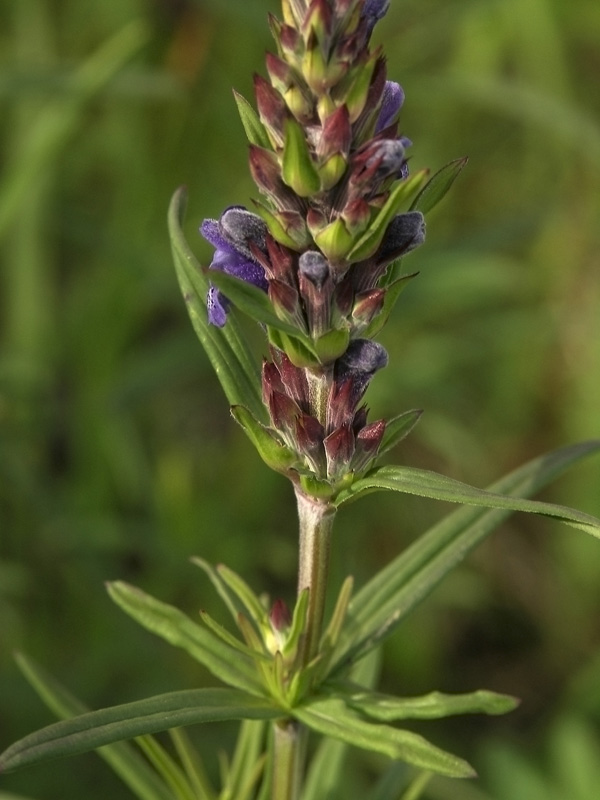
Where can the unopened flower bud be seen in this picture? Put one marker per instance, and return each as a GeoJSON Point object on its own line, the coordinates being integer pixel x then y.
{"type": "Point", "coordinates": [373, 11]}
{"type": "Point", "coordinates": [391, 102]}
{"type": "Point", "coordinates": [367, 305]}
{"type": "Point", "coordinates": [339, 448]}
{"type": "Point", "coordinates": [336, 136]}
{"type": "Point", "coordinates": [357, 366]}
{"type": "Point", "coordinates": [404, 233]}
{"type": "Point", "coordinates": [379, 160]}
{"type": "Point", "coordinates": [316, 288]}
{"type": "Point", "coordinates": [368, 440]}
{"type": "Point", "coordinates": [314, 267]}
{"type": "Point", "coordinates": [280, 616]}
{"type": "Point", "coordinates": [362, 359]}
{"type": "Point", "coordinates": [271, 108]}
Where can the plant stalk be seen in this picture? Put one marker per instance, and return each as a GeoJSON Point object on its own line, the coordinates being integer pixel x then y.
{"type": "Point", "coordinates": [316, 522]}
{"type": "Point", "coordinates": [289, 738]}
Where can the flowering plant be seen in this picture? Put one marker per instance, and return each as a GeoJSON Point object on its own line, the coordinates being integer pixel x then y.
{"type": "Point", "coordinates": [319, 266]}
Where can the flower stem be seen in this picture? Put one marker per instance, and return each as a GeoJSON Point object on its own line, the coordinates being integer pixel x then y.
{"type": "Point", "coordinates": [316, 522]}
{"type": "Point", "coordinates": [288, 749]}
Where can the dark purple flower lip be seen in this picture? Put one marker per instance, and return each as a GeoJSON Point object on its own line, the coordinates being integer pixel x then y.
{"type": "Point", "coordinates": [232, 236]}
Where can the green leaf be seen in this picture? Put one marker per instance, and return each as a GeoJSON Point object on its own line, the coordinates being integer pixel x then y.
{"type": "Point", "coordinates": [394, 781]}
{"type": "Point", "coordinates": [424, 483]}
{"type": "Point", "coordinates": [253, 127]}
{"type": "Point", "coordinates": [332, 718]}
{"type": "Point", "coordinates": [175, 627]}
{"type": "Point", "coordinates": [386, 708]}
{"type": "Point", "coordinates": [225, 593]}
{"type": "Point", "coordinates": [331, 345]}
{"type": "Point", "coordinates": [299, 350]}
{"type": "Point", "coordinates": [230, 639]}
{"type": "Point", "coordinates": [390, 595]}
{"type": "Point", "coordinates": [398, 429]}
{"type": "Point", "coordinates": [227, 347]}
{"type": "Point", "coordinates": [123, 759]}
{"type": "Point", "coordinates": [297, 168]}
{"type": "Point", "coordinates": [437, 188]}
{"type": "Point", "coordinates": [151, 715]}
{"type": "Point", "coordinates": [249, 299]}
{"type": "Point", "coordinates": [298, 624]}
{"type": "Point", "coordinates": [370, 241]}
{"type": "Point", "coordinates": [245, 594]}
{"type": "Point", "coordinates": [273, 452]}
{"type": "Point", "coordinates": [326, 770]}
{"type": "Point", "coordinates": [192, 764]}
{"type": "Point", "coordinates": [167, 767]}
{"type": "Point", "coordinates": [280, 233]}
{"type": "Point", "coordinates": [327, 765]}
{"type": "Point", "coordinates": [247, 763]}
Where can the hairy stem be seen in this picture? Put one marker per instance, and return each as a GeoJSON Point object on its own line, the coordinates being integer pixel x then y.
{"type": "Point", "coordinates": [316, 521]}
{"type": "Point", "coordinates": [289, 738]}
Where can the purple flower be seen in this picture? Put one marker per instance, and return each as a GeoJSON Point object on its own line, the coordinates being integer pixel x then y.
{"type": "Point", "coordinates": [391, 102]}
{"type": "Point", "coordinates": [233, 236]}
{"type": "Point", "coordinates": [373, 11]}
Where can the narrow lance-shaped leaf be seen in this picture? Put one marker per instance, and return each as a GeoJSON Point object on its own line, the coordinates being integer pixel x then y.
{"type": "Point", "coordinates": [425, 483]}
{"type": "Point", "coordinates": [438, 186]}
{"type": "Point", "coordinates": [166, 766]}
{"type": "Point", "coordinates": [151, 715]}
{"type": "Point", "coordinates": [122, 757]}
{"type": "Point", "coordinates": [231, 601]}
{"type": "Point", "coordinates": [398, 428]}
{"type": "Point", "coordinates": [246, 595]}
{"type": "Point", "coordinates": [327, 765]}
{"type": "Point", "coordinates": [253, 127]}
{"type": "Point", "coordinates": [248, 761]}
{"type": "Point", "coordinates": [332, 718]}
{"type": "Point", "coordinates": [226, 348]}
{"type": "Point", "coordinates": [326, 770]}
{"type": "Point", "coordinates": [175, 627]}
{"type": "Point", "coordinates": [193, 764]}
{"type": "Point", "coordinates": [392, 594]}
{"type": "Point", "coordinates": [230, 639]}
{"type": "Point", "coordinates": [298, 624]}
{"type": "Point", "coordinates": [392, 785]}
{"type": "Point", "coordinates": [387, 708]}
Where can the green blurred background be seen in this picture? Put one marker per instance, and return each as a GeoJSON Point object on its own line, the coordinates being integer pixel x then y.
{"type": "Point", "coordinates": [117, 455]}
